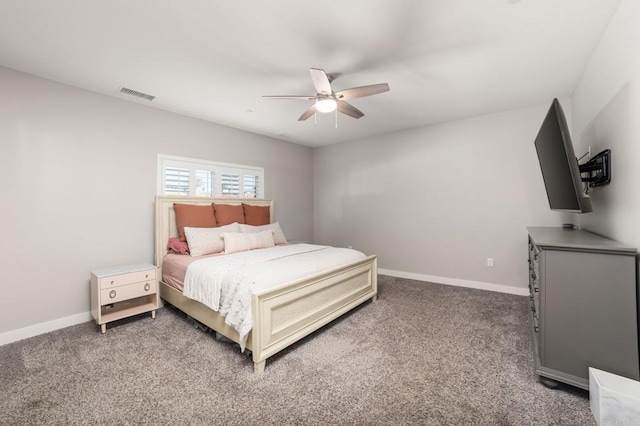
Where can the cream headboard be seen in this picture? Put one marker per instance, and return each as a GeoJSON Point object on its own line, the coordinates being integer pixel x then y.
{"type": "Point", "coordinates": [166, 216]}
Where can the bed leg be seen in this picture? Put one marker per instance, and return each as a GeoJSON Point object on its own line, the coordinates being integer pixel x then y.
{"type": "Point", "coordinates": [374, 298]}
{"type": "Point", "coordinates": [258, 367]}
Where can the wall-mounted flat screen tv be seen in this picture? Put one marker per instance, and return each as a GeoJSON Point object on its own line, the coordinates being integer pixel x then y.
{"type": "Point", "coordinates": [559, 165]}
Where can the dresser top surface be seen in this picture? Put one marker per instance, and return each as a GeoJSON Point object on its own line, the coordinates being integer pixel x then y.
{"type": "Point", "coordinates": [556, 237]}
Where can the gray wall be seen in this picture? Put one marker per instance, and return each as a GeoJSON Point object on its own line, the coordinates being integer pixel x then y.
{"type": "Point", "coordinates": [79, 180]}
{"type": "Point", "coordinates": [606, 106]}
{"type": "Point", "coordinates": [438, 200]}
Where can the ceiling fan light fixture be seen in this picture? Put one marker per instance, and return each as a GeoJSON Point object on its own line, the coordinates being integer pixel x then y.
{"type": "Point", "coordinates": [326, 105]}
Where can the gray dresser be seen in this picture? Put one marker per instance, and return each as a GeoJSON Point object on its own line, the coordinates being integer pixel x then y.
{"type": "Point", "coordinates": [584, 304]}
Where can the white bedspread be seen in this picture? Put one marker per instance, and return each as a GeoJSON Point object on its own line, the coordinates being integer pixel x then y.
{"type": "Point", "coordinates": [225, 283]}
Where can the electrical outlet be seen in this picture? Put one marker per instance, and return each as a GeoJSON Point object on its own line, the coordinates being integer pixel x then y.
{"type": "Point", "coordinates": [489, 261]}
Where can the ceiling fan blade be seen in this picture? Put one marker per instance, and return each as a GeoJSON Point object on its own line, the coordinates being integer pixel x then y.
{"type": "Point", "coordinates": [321, 81]}
{"type": "Point", "coordinates": [308, 113]}
{"type": "Point", "coordinates": [362, 91]}
{"type": "Point", "coordinates": [300, 98]}
{"type": "Point", "coordinates": [349, 110]}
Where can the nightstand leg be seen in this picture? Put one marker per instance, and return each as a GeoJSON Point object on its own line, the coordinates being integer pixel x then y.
{"type": "Point", "coordinates": [103, 327]}
{"type": "Point", "coordinates": [153, 314]}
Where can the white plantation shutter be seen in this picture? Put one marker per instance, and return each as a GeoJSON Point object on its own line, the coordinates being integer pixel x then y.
{"type": "Point", "coordinates": [205, 180]}
{"type": "Point", "coordinates": [176, 181]}
{"type": "Point", "coordinates": [250, 186]}
{"type": "Point", "coordinates": [202, 178]}
{"type": "Point", "coordinates": [230, 185]}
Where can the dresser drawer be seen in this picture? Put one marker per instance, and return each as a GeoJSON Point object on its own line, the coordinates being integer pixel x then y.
{"type": "Point", "coordinates": [124, 279]}
{"type": "Point", "coordinates": [129, 291]}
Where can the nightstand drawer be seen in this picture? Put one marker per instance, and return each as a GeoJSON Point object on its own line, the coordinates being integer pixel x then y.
{"type": "Point", "coordinates": [123, 279]}
{"type": "Point", "coordinates": [129, 291]}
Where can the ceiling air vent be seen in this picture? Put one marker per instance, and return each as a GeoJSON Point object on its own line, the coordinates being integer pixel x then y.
{"type": "Point", "coordinates": [137, 94]}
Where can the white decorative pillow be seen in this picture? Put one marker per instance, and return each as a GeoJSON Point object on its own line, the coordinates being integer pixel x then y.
{"type": "Point", "coordinates": [278, 235]}
{"type": "Point", "coordinates": [207, 240]}
{"type": "Point", "coordinates": [236, 241]}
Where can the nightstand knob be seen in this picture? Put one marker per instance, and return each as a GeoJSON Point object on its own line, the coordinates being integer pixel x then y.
{"type": "Point", "coordinates": [147, 286]}
{"type": "Point", "coordinates": [111, 282]}
{"type": "Point", "coordinates": [112, 294]}
{"type": "Point", "coordinates": [146, 275]}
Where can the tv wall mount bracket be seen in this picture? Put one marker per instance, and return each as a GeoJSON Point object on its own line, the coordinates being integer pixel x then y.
{"type": "Point", "coordinates": [597, 171]}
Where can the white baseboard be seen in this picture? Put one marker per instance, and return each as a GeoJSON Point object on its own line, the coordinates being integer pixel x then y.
{"type": "Point", "coordinates": [456, 282]}
{"type": "Point", "coordinates": [43, 327]}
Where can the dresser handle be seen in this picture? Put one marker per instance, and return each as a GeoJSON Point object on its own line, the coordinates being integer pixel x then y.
{"type": "Point", "coordinates": [111, 282]}
{"type": "Point", "coordinates": [147, 286]}
{"type": "Point", "coordinates": [112, 294]}
{"type": "Point", "coordinates": [146, 275]}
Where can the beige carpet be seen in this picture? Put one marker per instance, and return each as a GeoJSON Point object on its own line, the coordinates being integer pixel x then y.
{"type": "Point", "coordinates": [422, 354]}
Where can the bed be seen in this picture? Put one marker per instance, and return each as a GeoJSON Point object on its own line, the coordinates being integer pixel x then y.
{"type": "Point", "coordinates": [283, 314]}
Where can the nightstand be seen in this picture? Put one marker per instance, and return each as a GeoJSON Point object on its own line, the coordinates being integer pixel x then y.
{"type": "Point", "coordinates": [123, 291]}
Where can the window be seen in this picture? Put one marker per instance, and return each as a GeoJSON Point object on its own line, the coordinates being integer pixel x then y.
{"type": "Point", "coordinates": [250, 188]}
{"type": "Point", "coordinates": [176, 180]}
{"type": "Point", "coordinates": [230, 184]}
{"type": "Point", "coordinates": [202, 178]}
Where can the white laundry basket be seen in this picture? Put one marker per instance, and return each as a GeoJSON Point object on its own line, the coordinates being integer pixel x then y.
{"type": "Point", "coordinates": [615, 400]}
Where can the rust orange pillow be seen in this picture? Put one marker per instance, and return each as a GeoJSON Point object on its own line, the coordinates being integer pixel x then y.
{"type": "Point", "coordinates": [256, 215]}
{"type": "Point", "coordinates": [227, 213]}
{"type": "Point", "coordinates": [194, 217]}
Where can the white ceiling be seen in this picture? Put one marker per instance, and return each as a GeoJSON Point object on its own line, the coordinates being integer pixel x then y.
{"type": "Point", "coordinates": [214, 59]}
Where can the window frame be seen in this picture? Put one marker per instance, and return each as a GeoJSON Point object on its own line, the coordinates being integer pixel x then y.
{"type": "Point", "coordinates": [217, 167]}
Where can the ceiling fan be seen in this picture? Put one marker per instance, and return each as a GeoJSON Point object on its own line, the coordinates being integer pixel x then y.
{"type": "Point", "coordinates": [326, 100]}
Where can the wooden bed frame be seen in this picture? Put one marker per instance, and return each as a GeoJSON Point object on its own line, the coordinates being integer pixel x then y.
{"type": "Point", "coordinates": [281, 315]}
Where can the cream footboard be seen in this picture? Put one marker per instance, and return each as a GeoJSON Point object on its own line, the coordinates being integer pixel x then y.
{"type": "Point", "coordinates": [281, 315]}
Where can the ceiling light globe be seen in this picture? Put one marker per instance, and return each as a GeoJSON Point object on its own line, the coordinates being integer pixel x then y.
{"type": "Point", "coordinates": [326, 105]}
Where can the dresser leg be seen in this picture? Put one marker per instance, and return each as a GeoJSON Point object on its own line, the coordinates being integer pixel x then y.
{"type": "Point", "coordinates": [103, 327]}
{"type": "Point", "coordinates": [153, 314]}
{"type": "Point", "coordinates": [550, 383]}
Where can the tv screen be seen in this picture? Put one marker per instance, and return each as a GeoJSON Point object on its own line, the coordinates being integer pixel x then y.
{"type": "Point", "coordinates": [560, 169]}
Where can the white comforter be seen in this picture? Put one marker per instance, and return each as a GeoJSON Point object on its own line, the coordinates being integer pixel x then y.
{"type": "Point", "coordinates": [225, 283]}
